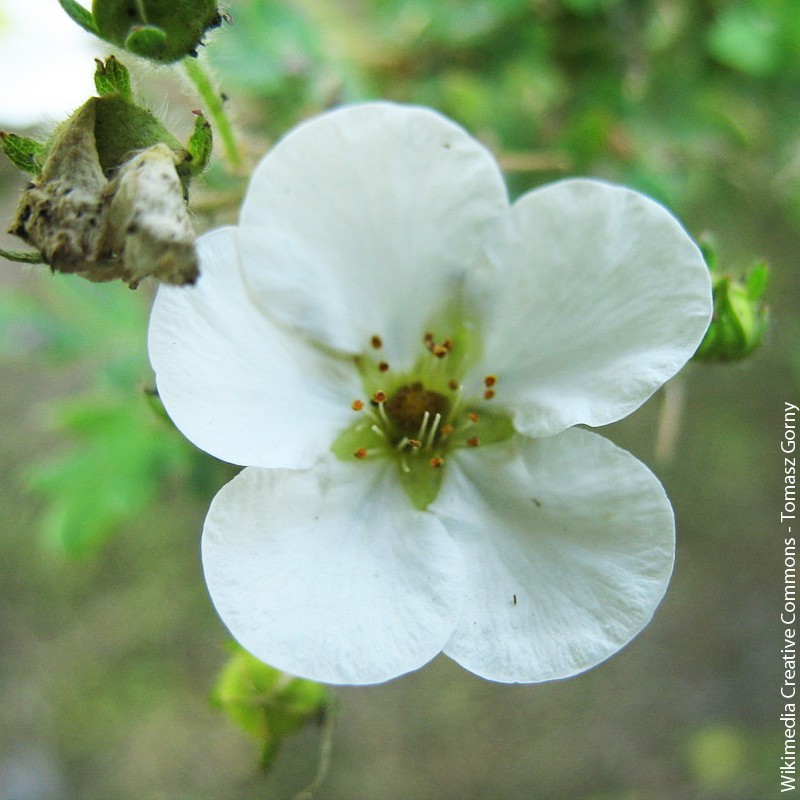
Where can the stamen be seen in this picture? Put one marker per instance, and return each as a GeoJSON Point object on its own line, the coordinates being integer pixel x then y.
{"type": "Point", "coordinates": [380, 398]}
{"type": "Point", "coordinates": [402, 443]}
{"type": "Point", "coordinates": [424, 426]}
{"type": "Point", "coordinates": [415, 444]}
{"type": "Point", "coordinates": [473, 417]}
{"type": "Point", "coordinates": [490, 380]}
{"type": "Point", "coordinates": [436, 462]}
{"type": "Point", "coordinates": [432, 432]}
{"type": "Point", "coordinates": [361, 452]}
{"type": "Point", "coordinates": [440, 351]}
{"type": "Point", "coordinates": [452, 385]}
{"type": "Point", "coordinates": [383, 366]}
{"type": "Point", "coordinates": [446, 430]}
{"type": "Point", "coordinates": [474, 441]}
{"type": "Point", "coordinates": [488, 394]}
{"type": "Point", "coordinates": [376, 342]}
{"type": "Point", "coordinates": [357, 405]}
{"type": "Point", "coordinates": [378, 430]}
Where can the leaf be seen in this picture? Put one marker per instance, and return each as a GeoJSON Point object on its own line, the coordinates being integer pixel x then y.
{"type": "Point", "coordinates": [112, 77]}
{"type": "Point", "coordinates": [119, 459]}
{"type": "Point", "coordinates": [25, 154]}
{"type": "Point", "coordinates": [80, 15]}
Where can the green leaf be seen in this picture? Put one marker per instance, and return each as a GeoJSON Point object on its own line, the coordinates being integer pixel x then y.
{"type": "Point", "coordinates": [119, 459]}
{"type": "Point", "coordinates": [80, 15]}
{"type": "Point", "coordinates": [200, 145]}
{"type": "Point", "coordinates": [25, 154]}
{"type": "Point", "coordinates": [112, 77]}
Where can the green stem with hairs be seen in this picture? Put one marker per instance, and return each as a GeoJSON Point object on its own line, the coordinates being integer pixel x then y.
{"type": "Point", "coordinates": [216, 110]}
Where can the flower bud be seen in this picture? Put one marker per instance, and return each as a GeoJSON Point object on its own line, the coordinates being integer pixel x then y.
{"type": "Point", "coordinates": [265, 702]}
{"type": "Point", "coordinates": [161, 30]}
{"type": "Point", "coordinates": [740, 319]}
{"type": "Point", "coordinates": [109, 201]}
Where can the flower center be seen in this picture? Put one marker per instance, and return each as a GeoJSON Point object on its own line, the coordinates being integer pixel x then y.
{"type": "Point", "coordinates": [413, 407]}
{"type": "Point", "coordinates": [418, 418]}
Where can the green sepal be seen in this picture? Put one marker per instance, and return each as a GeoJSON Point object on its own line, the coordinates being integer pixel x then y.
{"type": "Point", "coordinates": [122, 127]}
{"type": "Point", "coordinates": [25, 154]}
{"type": "Point", "coordinates": [23, 256]}
{"type": "Point", "coordinates": [422, 481]}
{"type": "Point", "coordinates": [491, 428]}
{"type": "Point", "coordinates": [200, 145]}
{"type": "Point", "coordinates": [80, 15]}
{"type": "Point", "coordinates": [112, 77]}
{"type": "Point", "coordinates": [265, 702]}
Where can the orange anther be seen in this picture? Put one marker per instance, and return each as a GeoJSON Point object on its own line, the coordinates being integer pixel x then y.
{"type": "Point", "coordinates": [489, 394]}
{"type": "Point", "coordinates": [361, 452]}
{"type": "Point", "coordinates": [473, 417]}
{"type": "Point", "coordinates": [380, 396]}
{"type": "Point", "coordinates": [376, 342]}
{"type": "Point", "coordinates": [437, 462]}
{"type": "Point", "coordinates": [474, 441]}
{"type": "Point", "coordinates": [357, 405]}
{"type": "Point", "coordinates": [490, 380]}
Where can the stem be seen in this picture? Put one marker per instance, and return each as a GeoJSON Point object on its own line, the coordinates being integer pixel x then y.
{"type": "Point", "coordinates": [216, 110]}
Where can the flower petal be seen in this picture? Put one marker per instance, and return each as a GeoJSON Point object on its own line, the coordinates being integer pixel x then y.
{"type": "Point", "coordinates": [569, 543]}
{"type": "Point", "coordinates": [236, 385]}
{"type": "Point", "coordinates": [330, 573]}
{"type": "Point", "coordinates": [594, 297]}
{"type": "Point", "coordinates": [360, 221]}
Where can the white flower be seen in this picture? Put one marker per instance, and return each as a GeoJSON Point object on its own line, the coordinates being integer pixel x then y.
{"type": "Point", "coordinates": [378, 262]}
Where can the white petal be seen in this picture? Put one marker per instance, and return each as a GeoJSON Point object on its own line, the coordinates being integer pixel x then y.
{"type": "Point", "coordinates": [569, 543]}
{"type": "Point", "coordinates": [360, 221]}
{"type": "Point", "coordinates": [594, 298]}
{"type": "Point", "coordinates": [330, 573]}
{"type": "Point", "coordinates": [233, 383]}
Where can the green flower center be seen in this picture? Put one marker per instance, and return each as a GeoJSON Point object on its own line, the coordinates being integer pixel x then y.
{"type": "Point", "coordinates": [418, 418]}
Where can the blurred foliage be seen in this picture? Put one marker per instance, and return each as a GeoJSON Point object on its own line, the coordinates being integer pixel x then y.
{"type": "Point", "coordinates": [122, 452]}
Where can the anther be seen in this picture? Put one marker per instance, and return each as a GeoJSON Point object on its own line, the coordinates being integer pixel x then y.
{"type": "Point", "coordinates": [361, 452]}
{"type": "Point", "coordinates": [452, 385]}
{"type": "Point", "coordinates": [436, 462]}
{"type": "Point", "coordinates": [379, 396]}
{"type": "Point", "coordinates": [357, 405]}
{"type": "Point", "coordinates": [490, 380]}
{"type": "Point", "coordinates": [473, 417]}
{"type": "Point", "coordinates": [414, 443]}
{"type": "Point", "coordinates": [473, 441]}
{"type": "Point", "coordinates": [439, 350]}
{"type": "Point", "coordinates": [446, 430]}
{"type": "Point", "coordinates": [488, 394]}
{"type": "Point", "coordinates": [428, 339]}
{"type": "Point", "coordinates": [376, 342]}
{"type": "Point", "coordinates": [383, 366]}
